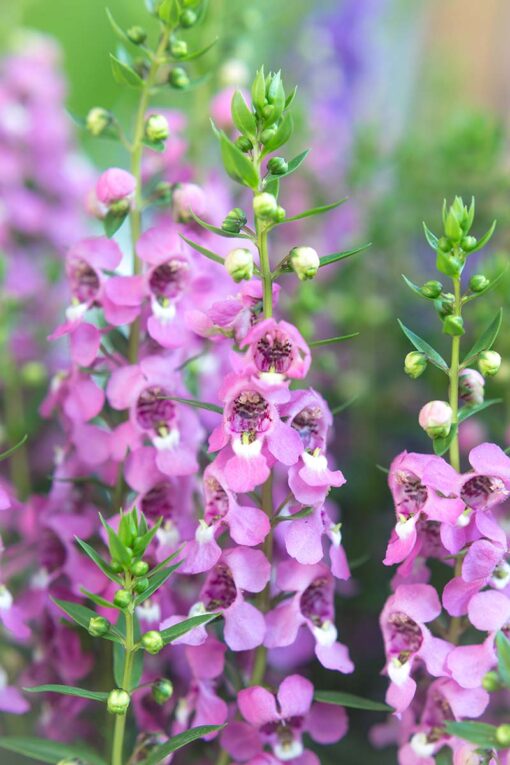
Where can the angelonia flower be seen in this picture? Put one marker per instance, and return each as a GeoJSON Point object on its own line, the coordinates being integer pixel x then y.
{"type": "Point", "coordinates": [186, 420]}
{"type": "Point", "coordinates": [444, 644]}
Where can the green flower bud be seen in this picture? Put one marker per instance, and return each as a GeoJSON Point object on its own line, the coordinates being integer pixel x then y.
{"type": "Point", "coordinates": [156, 128]}
{"type": "Point", "coordinates": [478, 283]}
{"type": "Point", "coordinates": [178, 78]}
{"type": "Point", "coordinates": [139, 568]}
{"type": "Point", "coordinates": [304, 262]}
{"type": "Point", "coordinates": [469, 243]}
{"type": "Point", "coordinates": [503, 734]}
{"type": "Point", "coordinates": [453, 325]}
{"type": "Point", "coordinates": [452, 227]}
{"type": "Point", "coordinates": [264, 205]}
{"type": "Point", "coordinates": [152, 641]}
{"type": "Point", "coordinates": [122, 598]}
{"type": "Point", "coordinates": [277, 166]}
{"type": "Point", "coordinates": [33, 373]}
{"type": "Point", "coordinates": [443, 244]}
{"type": "Point", "coordinates": [267, 135]}
{"type": "Point", "coordinates": [436, 419]}
{"type": "Point", "coordinates": [188, 18]}
{"type": "Point", "coordinates": [163, 191]}
{"type": "Point", "coordinates": [445, 305]}
{"type": "Point", "coordinates": [178, 48]}
{"type": "Point", "coordinates": [137, 35]}
{"type": "Point", "coordinates": [98, 626]}
{"type": "Point", "coordinates": [118, 702]}
{"type": "Point", "coordinates": [116, 567]}
{"type": "Point", "coordinates": [491, 682]}
{"type": "Point", "coordinates": [279, 214]}
{"type": "Point", "coordinates": [120, 207]}
{"type": "Point", "coordinates": [244, 143]}
{"type": "Point", "coordinates": [234, 221]}
{"type": "Point", "coordinates": [431, 289]}
{"type": "Point", "coordinates": [141, 585]}
{"type": "Point", "coordinates": [239, 264]}
{"type": "Point", "coordinates": [162, 690]}
{"type": "Point", "coordinates": [415, 364]}
{"type": "Point", "coordinates": [489, 363]}
{"type": "Point", "coordinates": [98, 120]}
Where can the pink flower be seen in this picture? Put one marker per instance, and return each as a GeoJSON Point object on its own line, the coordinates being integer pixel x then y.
{"type": "Point", "coordinates": [311, 605]}
{"type": "Point", "coordinates": [114, 184]}
{"type": "Point", "coordinates": [280, 722]}
{"type": "Point", "coordinates": [484, 563]}
{"type": "Point", "coordinates": [239, 569]}
{"type": "Point", "coordinates": [187, 197]}
{"type": "Point", "coordinates": [406, 639]}
{"type": "Point", "coordinates": [276, 350]}
{"type": "Point", "coordinates": [11, 700]}
{"type": "Point", "coordinates": [436, 418]}
{"type": "Point", "coordinates": [303, 540]}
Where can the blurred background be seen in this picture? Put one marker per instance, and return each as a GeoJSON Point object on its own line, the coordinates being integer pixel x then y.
{"type": "Point", "coordinates": [402, 104]}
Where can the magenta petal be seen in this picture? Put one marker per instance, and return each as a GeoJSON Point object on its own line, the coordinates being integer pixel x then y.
{"type": "Point", "coordinates": [335, 657]}
{"type": "Point", "coordinates": [303, 538]}
{"type": "Point", "coordinates": [177, 462]}
{"type": "Point", "coordinates": [12, 701]}
{"type": "Point", "coordinates": [283, 624]}
{"type": "Point", "coordinates": [244, 626]}
{"type": "Point", "coordinates": [469, 663]}
{"type": "Point", "coordinates": [295, 696]}
{"type": "Point", "coordinates": [419, 601]}
{"type": "Point", "coordinates": [248, 525]}
{"type": "Point", "coordinates": [125, 290]}
{"type": "Point", "coordinates": [489, 611]}
{"type": "Point", "coordinates": [257, 706]}
{"type": "Point", "coordinates": [240, 740]}
{"type": "Point", "coordinates": [457, 594]}
{"type": "Point", "coordinates": [246, 473]}
{"type": "Point", "coordinates": [284, 443]}
{"type": "Point", "coordinates": [400, 696]}
{"type": "Point", "coordinates": [250, 568]}
{"type": "Point", "coordinates": [327, 723]}
{"type": "Point", "coordinates": [85, 342]}
{"type": "Point", "coordinates": [490, 459]}
{"type": "Point", "coordinates": [480, 560]}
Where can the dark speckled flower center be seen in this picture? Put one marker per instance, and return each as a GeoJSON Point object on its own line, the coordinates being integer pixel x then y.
{"type": "Point", "coordinates": [315, 602]}
{"type": "Point", "coordinates": [411, 494]}
{"type": "Point", "coordinates": [405, 635]}
{"type": "Point", "coordinates": [273, 353]}
{"type": "Point", "coordinates": [437, 712]}
{"type": "Point", "coordinates": [307, 423]}
{"type": "Point", "coordinates": [159, 502]}
{"type": "Point", "coordinates": [249, 413]}
{"type": "Point", "coordinates": [154, 410]}
{"type": "Point", "coordinates": [167, 281]}
{"type": "Point", "coordinates": [84, 281]}
{"type": "Point", "coordinates": [220, 590]}
{"type": "Point", "coordinates": [482, 490]}
{"type": "Point", "coordinates": [216, 501]}
{"type": "Point", "coordinates": [52, 553]}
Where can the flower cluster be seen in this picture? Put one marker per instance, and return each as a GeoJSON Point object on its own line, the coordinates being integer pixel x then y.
{"type": "Point", "coordinates": [441, 646]}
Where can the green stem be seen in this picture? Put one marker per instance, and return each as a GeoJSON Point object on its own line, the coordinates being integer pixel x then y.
{"type": "Point", "coordinates": [120, 720]}
{"type": "Point", "coordinates": [454, 381]}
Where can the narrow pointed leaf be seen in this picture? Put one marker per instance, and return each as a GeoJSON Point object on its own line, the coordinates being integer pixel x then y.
{"type": "Point", "coordinates": [486, 341]}
{"type": "Point", "coordinates": [216, 229]}
{"type": "Point", "coordinates": [123, 74]}
{"type": "Point", "coordinates": [201, 52]}
{"type": "Point", "coordinates": [315, 211]}
{"type": "Point", "coordinates": [197, 404]}
{"type": "Point", "coordinates": [98, 600]}
{"type": "Point", "coordinates": [492, 284]}
{"type": "Point", "coordinates": [291, 167]}
{"type": "Point", "coordinates": [116, 28]}
{"type": "Point", "coordinates": [430, 237]}
{"type": "Point", "coordinates": [156, 582]}
{"type": "Point", "coordinates": [350, 700]}
{"type": "Point", "coordinates": [290, 98]}
{"type": "Point", "coordinates": [69, 690]}
{"type": "Point", "coordinates": [177, 630]}
{"type": "Point", "coordinates": [414, 287]}
{"type": "Point", "coordinates": [238, 166]}
{"type": "Point", "coordinates": [421, 345]}
{"type": "Point", "coordinates": [82, 616]}
{"type": "Point", "coordinates": [326, 260]}
{"type": "Point", "coordinates": [10, 451]}
{"type": "Point", "coordinates": [441, 445]}
{"type": "Point", "coordinates": [503, 649]}
{"type": "Point", "coordinates": [444, 756]}
{"type": "Point", "coordinates": [469, 411]}
{"type": "Point", "coordinates": [204, 251]}
{"type": "Point", "coordinates": [478, 733]}
{"type": "Point", "coordinates": [45, 750]}
{"type": "Point", "coordinates": [282, 135]}
{"type": "Point", "coordinates": [294, 516]}
{"type": "Point", "coordinates": [112, 223]}
{"type": "Point", "coordinates": [345, 405]}
{"type": "Point", "coordinates": [163, 563]}
{"type": "Point", "coordinates": [242, 116]}
{"type": "Point", "coordinates": [118, 551]}
{"type": "Point", "coordinates": [144, 541]}
{"type": "Point", "coordinates": [331, 340]}
{"type": "Point", "coordinates": [485, 238]}
{"type": "Point", "coordinates": [100, 563]}
{"type": "Point", "coordinates": [177, 742]}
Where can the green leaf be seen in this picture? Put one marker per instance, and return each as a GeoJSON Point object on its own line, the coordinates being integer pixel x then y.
{"type": "Point", "coordinates": [49, 751]}
{"type": "Point", "coordinates": [97, 599]}
{"type": "Point", "coordinates": [158, 146]}
{"type": "Point", "coordinates": [414, 287]}
{"type": "Point", "coordinates": [118, 551]}
{"type": "Point", "coordinates": [272, 186]}
{"type": "Point", "coordinates": [202, 51]}
{"type": "Point", "coordinates": [350, 700]}
{"type": "Point", "coordinates": [486, 341]}
{"type": "Point", "coordinates": [123, 74]}
{"type": "Point", "coordinates": [430, 237]}
{"type": "Point", "coordinates": [177, 630]}
{"type": "Point", "coordinates": [489, 287]}
{"type": "Point", "coordinates": [238, 166]}
{"type": "Point", "coordinates": [204, 251]}
{"type": "Point", "coordinates": [290, 98]}
{"type": "Point", "coordinates": [469, 411]}
{"type": "Point", "coordinates": [444, 756]}
{"type": "Point", "coordinates": [177, 742]}
{"type": "Point", "coordinates": [441, 445]}
{"type": "Point", "coordinates": [156, 582]}
{"type": "Point", "coordinates": [316, 211]}
{"type": "Point", "coordinates": [10, 451]}
{"type": "Point", "coordinates": [112, 222]}
{"type": "Point", "coordinates": [142, 543]}
{"type": "Point", "coordinates": [216, 229]}
{"type": "Point", "coordinates": [242, 116]}
{"type": "Point", "coordinates": [330, 340]}
{"type": "Point", "coordinates": [163, 563]}
{"type": "Point", "coordinates": [342, 407]}
{"type": "Point", "coordinates": [100, 563]}
{"type": "Point", "coordinates": [422, 345]}
{"type": "Point", "coordinates": [197, 404]}
{"type": "Point", "coordinates": [116, 28]}
{"type": "Point", "coordinates": [478, 733]}
{"type": "Point", "coordinates": [82, 616]}
{"type": "Point", "coordinates": [326, 260]}
{"type": "Point", "coordinates": [291, 167]}
{"type": "Point", "coordinates": [69, 690]}
{"type": "Point", "coordinates": [282, 135]}
{"type": "Point", "coordinates": [294, 516]}
{"type": "Point", "coordinates": [168, 12]}
{"type": "Point", "coordinates": [258, 90]}
{"type": "Point", "coordinates": [485, 238]}
{"type": "Point", "coordinates": [503, 649]}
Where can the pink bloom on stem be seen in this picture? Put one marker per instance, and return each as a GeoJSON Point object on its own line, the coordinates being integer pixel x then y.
{"type": "Point", "coordinates": [484, 563]}
{"type": "Point", "coordinates": [276, 350]}
{"type": "Point", "coordinates": [187, 198]}
{"type": "Point", "coordinates": [11, 700]}
{"type": "Point", "coordinates": [114, 184]}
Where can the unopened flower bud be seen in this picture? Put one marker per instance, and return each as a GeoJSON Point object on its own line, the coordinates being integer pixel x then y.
{"type": "Point", "coordinates": [277, 166]}
{"type": "Point", "coordinates": [118, 702]}
{"type": "Point", "coordinates": [264, 205]}
{"type": "Point", "coordinates": [152, 641]}
{"type": "Point", "coordinates": [120, 207]}
{"type": "Point", "coordinates": [415, 364]}
{"type": "Point", "coordinates": [469, 243]}
{"type": "Point", "coordinates": [279, 214]}
{"type": "Point", "coordinates": [141, 585]}
{"type": "Point", "coordinates": [443, 244]}
{"type": "Point", "coordinates": [431, 289]}
{"type": "Point", "coordinates": [436, 419]}
{"type": "Point", "coordinates": [122, 598]}
{"type": "Point", "coordinates": [478, 283]}
{"type": "Point", "coordinates": [163, 191]}
{"type": "Point", "coordinates": [234, 221]}
{"type": "Point", "coordinates": [489, 363]}
{"type": "Point", "coordinates": [98, 626]}
{"type": "Point", "coordinates": [137, 35]}
{"type": "Point", "coordinates": [267, 134]}
{"type": "Point", "coordinates": [244, 143]}
{"type": "Point", "coordinates": [239, 264]}
{"type": "Point", "coordinates": [178, 48]}
{"type": "Point", "coordinates": [156, 128]}
{"type": "Point", "coordinates": [115, 184]}
{"type": "Point", "coordinates": [491, 682]}
{"type": "Point", "coordinates": [178, 78]}
{"type": "Point", "coordinates": [188, 18]}
{"type": "Point", "coordinates": [188, 197]}
{"type": "Point", "coordinates": [471, 387]}
{"type": "Point", "coordinates": [503, 734]}
{"type": "Point", "coordinates": [162, 690]}
{"type": "Point", "coordinates": [116, 567]}
{"type": "Point", "coordinates": [304, 262]}
{"type": "Point", "coordinates": [453, 325]}
{"type": "Point", "coordinates": [446, 304]}
{"type": "Point", "coordinates": [97, 120]}
{"type": "Point", "coordinates": [139, 568]}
